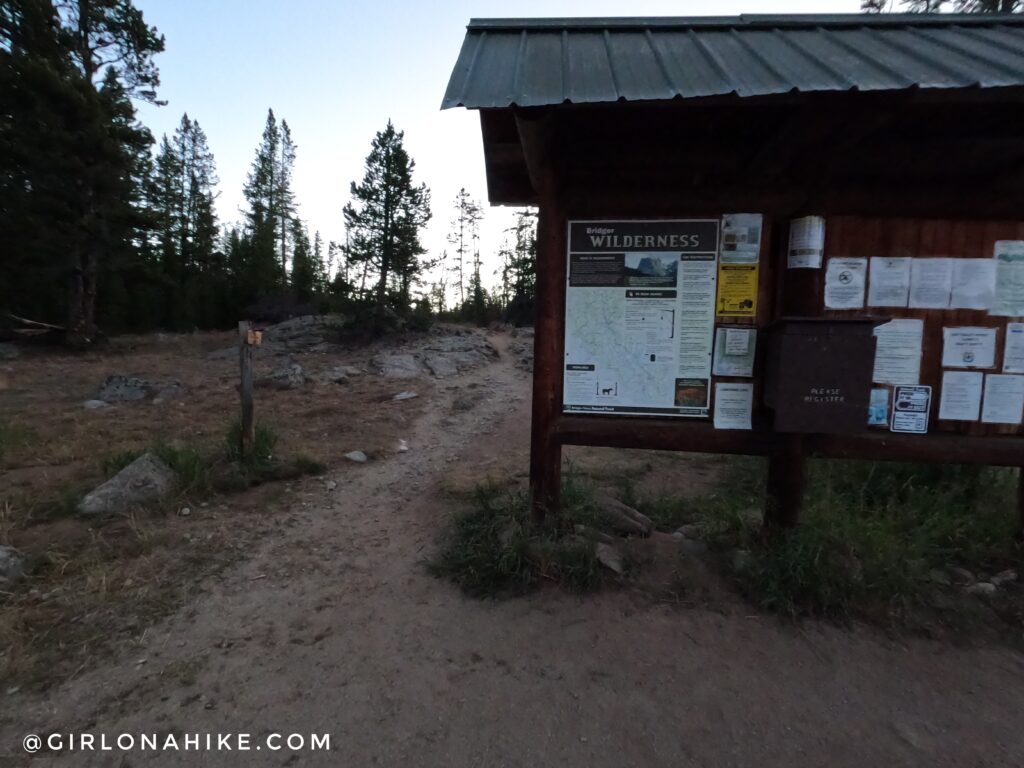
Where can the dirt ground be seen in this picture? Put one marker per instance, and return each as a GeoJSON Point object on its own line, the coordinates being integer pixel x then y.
{"type": "Point", "coordinates": [325, 620]}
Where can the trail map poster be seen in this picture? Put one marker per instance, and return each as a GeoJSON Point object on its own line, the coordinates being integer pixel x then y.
{"type": "Point", "coordinates": [640, 317]}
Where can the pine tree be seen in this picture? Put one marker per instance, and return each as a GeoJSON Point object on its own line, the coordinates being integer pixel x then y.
{"type": "Point", "coordinates": [384, 218]}
{"type": "Point", "coordinates": [464, 233]}
{"type": "Point", "coordinates": [304, 271]}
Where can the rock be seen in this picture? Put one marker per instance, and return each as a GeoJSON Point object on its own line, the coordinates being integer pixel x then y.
{"type": "Point", "coordinates": [12, 565]}
{"type": "Point", "coordinates": [1004, 577]}
{"type": "Point", "coordinates": [123, 389]}
{"type": "Point", "coordinates": [403, 446]}
{"type": "Point", "coordinates": [357, 456]}
{"type": "Point", "coordinates": [407, 395]}
{"type": "Point", "coordinates": [185, 512]}
{"type": "Point", "coordinates": [939, 576]}
{"type": "Point", "coordinates": [623, 517]}
{"type": "Point", "coordinates": [307, 333]}
{"type": "Point", "coordinates": [145, 479]}
{"type": "Point", "coordinates": [9, 351]}
{"type": "Point", "coordinates": [689, 531]}
{"type": "Point", "coordinates": [961, 575]}
{"type": "Point", "coordinates": [397, 365]}
{"type": "Point", "coordinates": [693, 546]}
{"type": "Point", "coordinates": [337, 375]}
{"type": "Point", "coordinates": [441, 366]}
{"type": "Point", "coordinates": [981, 588]}
{"type": "Point", "coordinates": [609, 557]}
{"type": "Point", "coordinates": [92, 405]}
{"type": "Point", "coordinates": [289, 376]}
{"type": "Point", "coordinates": [593, 534]}
{"type": "Point", "coordinates": [331, 485]}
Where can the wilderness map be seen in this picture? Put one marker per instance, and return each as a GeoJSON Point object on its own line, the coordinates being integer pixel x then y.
{"type": "Point", "coordinates": [639, 317]}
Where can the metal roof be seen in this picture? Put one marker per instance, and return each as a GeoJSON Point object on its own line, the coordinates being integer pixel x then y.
{"type": "Point", "coordinates": [536, 62]}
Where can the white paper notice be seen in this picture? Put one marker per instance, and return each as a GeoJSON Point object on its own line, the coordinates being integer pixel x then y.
{"type": "Point", "coordinates": [961, 395]}
{"type": "Point", "coordinates": [806, 242]}
{"type": "Point", "coordinates": [1004, 399]}
{"type": "Point", "coordinates": [898, 352]}
{"type": "Point", "coordinates": [844, 283]}
{"type": "Point", "coordinates": [1009, 298]}
{"type": "Point", "coordinates": [889, 284]}
{"type": "Point", "coordinates": [734, 352]}
{"type": "Point", "coordinates": [1013, 352]}
{"type": "Point", "coordinates": [931, 282]}
{"type": "Point", "coordinates": [974, 283]}
{"type": "Point", "coordinates": [968, 347]}
{"type": "Point", "coordinates": [733, 404]}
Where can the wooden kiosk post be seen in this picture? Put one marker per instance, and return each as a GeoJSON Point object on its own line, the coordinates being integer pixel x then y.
{"type": "Point", "coordinates": [548, 341]}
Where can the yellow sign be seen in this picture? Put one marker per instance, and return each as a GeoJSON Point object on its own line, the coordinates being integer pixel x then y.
{"type": "Point", "coordinates": [737, 290]}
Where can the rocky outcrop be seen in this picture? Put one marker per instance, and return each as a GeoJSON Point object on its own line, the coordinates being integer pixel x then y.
{"type": "Point", "coordinates": [145, 479]}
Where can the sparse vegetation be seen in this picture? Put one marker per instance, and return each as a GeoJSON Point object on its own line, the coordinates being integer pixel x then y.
{"type": "Point", "coordinates": [492, 549]}
{"type": "Point", "coordinates": [871, 539]}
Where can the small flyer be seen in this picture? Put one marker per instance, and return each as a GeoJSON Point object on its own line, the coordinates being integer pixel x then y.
{"type": "Point", "coordinates": [910, 407]}
{"type": "Point", "coordinates": [898, 352]}
{"type": "Point", "coordinates": [737, 289]}
{"type": "Point", "coordinates": [1004, 399]}
{"type": "Point", "coordinates": [1009, 294]}
{"type": "Point", "coordinates": [878, 407]}
{"type": "Point", "coordinates": [889, 281]}
{"type": "Point", "coordinates": [733, 405]}
{"type": "Point", "coordinates": [845, 280]}
{"type": "Point", "coordinates": [931, 283]}
{"type": "Point", "coordinates": [734, 352]}
{"type": "Point", "coordinates": [974, 283]}
{"type": "Point", "coordinates": [741, 238]}
{"type": "Point", "coordinates": [1013, 352]}
{"type": "Point", "coordinates": [960, 399]}
{"type": "Point", "coordinates": [968, 347]}
{"type": "Point", "coordinates": [806, 242]}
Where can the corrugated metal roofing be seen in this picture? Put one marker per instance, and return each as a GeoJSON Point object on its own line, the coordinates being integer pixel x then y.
{"type": "Point", "coordinates": [536, 62]}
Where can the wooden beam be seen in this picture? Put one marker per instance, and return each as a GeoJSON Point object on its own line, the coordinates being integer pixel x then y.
{"type": "Point", "coordinates": [535, 133]}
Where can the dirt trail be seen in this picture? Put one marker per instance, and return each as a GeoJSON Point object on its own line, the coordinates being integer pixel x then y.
{"type": "Point", "coordinates": [332, 625]}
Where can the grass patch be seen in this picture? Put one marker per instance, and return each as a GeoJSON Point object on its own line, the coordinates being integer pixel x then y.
{"type": "Point", "coordinates": [13, 438]}
{"type": "Point", "coordinates": [870, 538]}
{"type": "Point", "coordinates": [493, 549]}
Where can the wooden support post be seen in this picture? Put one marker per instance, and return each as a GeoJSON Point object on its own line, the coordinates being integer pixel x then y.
{"type": "Point", "coordinates": [245, 357]}
{"type": "Point", "coordinates": [786, 481]}
{"type": "Point", "coordinates": [1020, 502]}
{"type": "Point", "coordinates": [537, 141]}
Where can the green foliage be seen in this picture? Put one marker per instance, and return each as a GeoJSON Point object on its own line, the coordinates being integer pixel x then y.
{"type": "Point", "coordinates": [870, 534]}
{"type": "Point", "coordinates": [262, 452]}
{"type": "Point", "coordinates": [384, 219]}
{"type": "Point", "coordinates": [492, 549]}
{"type": "Point", "coordinates": [13, 437]}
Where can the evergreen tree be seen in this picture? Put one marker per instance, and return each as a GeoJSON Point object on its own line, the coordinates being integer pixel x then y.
{"type": "Point", "coordinates": [384, 218]}
{"type": "Point", "coordinates": [304, 272]}
{"type": "Point", "coordinates": [187, 226]}
{"type": "Point", "coordinates": [937, 6]}
{"type": "Point", "coordinates": [464, 233]}
{"type": "Point", "coordinates": [70, 178]}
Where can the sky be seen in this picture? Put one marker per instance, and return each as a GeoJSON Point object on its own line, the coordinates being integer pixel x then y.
{"type": "Point", "coordinates": [337, 70]}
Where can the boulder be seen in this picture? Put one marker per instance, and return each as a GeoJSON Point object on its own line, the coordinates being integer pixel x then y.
{"type": "Point", "coordinates": [397, 365]}
{"type": "Point", "coordinates": [981, 588]}
{"type": "Point", "coordinates": [123, 389]}
{"type": "Point", "coordinates": [357, 456]}
{"type": "Point", "coordinates": [12, 565]}
{"type": "Point", "coordinates": [145, 479]}
{"type": "Point", "coordinates": [1004, 577]}
{"type": "Point", "coordinates": [609, 557]}
{"type": "Point", "coordinates": [622, 517]}
{"type": "Point", "coordinates": [441, 366]}
{"type": "Point", "coordinates": [8, 351]}
{"type": "Point", "coordinates": [93, 405]}
{"type": "Point", "coordinates": [289, 376]}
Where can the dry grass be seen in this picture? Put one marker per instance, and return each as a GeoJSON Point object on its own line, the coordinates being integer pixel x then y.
{"type": "Point", "coordinates": [93, 584]}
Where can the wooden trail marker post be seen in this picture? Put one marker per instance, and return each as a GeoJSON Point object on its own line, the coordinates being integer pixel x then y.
{"type": "Point", "coordinates": [920, 166]}
{"type": "Point", "coordinates": [248, 340]}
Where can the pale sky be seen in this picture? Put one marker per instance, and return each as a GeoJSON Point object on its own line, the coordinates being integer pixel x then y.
{"type": "Point", "coordinates": [337, 70]}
